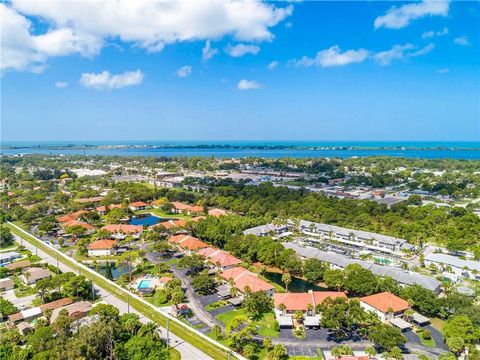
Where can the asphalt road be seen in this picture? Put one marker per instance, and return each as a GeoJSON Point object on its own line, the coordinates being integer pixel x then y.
{"type": "Point", "coordinates": [187, 351]}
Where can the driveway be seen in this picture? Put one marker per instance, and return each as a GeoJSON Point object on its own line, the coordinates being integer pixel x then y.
{"type": "Point", "coordinates": [412, 337]}
{"type": "Point", "coordinates": [10, 296]}
{"type": "Point", "coordinates": [437, 336]}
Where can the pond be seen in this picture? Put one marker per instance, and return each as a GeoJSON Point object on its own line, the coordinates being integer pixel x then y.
{"type": "Point", "coordinates": [116, 271]}
{"type": "Point", "coordinates": [297, 285]}
{"type": "Point", "coordinates": [146, 220]}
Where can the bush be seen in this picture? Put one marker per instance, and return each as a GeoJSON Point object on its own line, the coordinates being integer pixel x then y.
{"type": "Point", "coordinates": [161, 297]}
{"type": "Point", "coordinates": [426, 335]}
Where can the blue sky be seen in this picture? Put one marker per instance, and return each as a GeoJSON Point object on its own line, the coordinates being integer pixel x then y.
{"type": "Point", "coordinates": [338, 71]}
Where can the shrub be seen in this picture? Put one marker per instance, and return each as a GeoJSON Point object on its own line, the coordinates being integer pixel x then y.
{"type": "Point", "coordinates": [426, 335]}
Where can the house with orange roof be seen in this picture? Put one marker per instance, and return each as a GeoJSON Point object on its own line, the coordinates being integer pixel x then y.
{"type": "Point", "coordinates": [243, 279]}
{"type": "Point", "coordinates": [138, 205]}
{"type": "Point", "coordinates": [219, 258]}
{"type": "Point", "coordinates": [89, 200]}
{"type": "Point", "coordinates": [386, 305]}
{"type": "Point", "coordinates": [216, 212]}
{"type": "Point", "coordinates": [102, 210]}
{"type": "Point", "coordinates": [89, 228]}
{"type": "Point", "coordinates": [287, 304]}
{"type": "Point", "coordinates": [179, 207]}
{"type": "Point", "coordinates": [72, 216]}
{"type": "Point", "coordinates": [187, 243]}
{"type": "Point", "coordinates": [120, 231]}
{"type": "Point", "coordinates": [102, 247]}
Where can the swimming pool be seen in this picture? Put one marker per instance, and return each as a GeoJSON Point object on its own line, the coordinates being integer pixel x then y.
{"type": "Point", "coordinates": [144, 284]}
{"type": "Point", "coordinates": [146, 220]}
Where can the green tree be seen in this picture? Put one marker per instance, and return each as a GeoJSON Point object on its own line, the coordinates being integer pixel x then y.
{"type": "Point", "coordinates": [286, 279]}
{"type": "Point", "coordinates": [6, 237]}
{"type": "Point", "coordinates": [257, 303]}
{"type": "Point", "coordinates": [203, 283]}
{"type": "Point", "coordinates": [192, 263]}
{"type": "Point", "coordinates": [6, 308]}
{"type": "Point", "coordinates": [386, 336]}
{"type": "Point", "coordinates": [313, 270]}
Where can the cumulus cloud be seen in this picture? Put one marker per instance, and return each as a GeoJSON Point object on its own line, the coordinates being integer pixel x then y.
{"type": "Point", "coordinates": [332, 57]}
{"type": "Point", "coordinates": [208, 52]}
{"type": "Point", "coordinates": [85, 27]}
{"type": "Point", "coordinates": [61, 84]}
{"type": "Point", "coordinates": [248, 85]}
{"type": "Point", "coordinates": [273, 65]}
{"type": "Point", "coordinates": [399, 52]}
{"type": "Point", "coordinates": [443, 71]}
{"type": "Point", "coordinates": [240, 50]}
{"type": "Point", "coordinates": [402, 16]}
{"type": "Point", "coordinates": [184, 71]}
{"type": "Point", "coordinates": [107, 81]}
{"type": "Point", "coordinates": [462, 40]}
{"type": "Point", "coordinates": [431, 34]}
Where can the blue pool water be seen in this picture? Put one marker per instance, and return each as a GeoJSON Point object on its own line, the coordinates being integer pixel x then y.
{"type": "Point", "coordinates": [144, 284]}
{"type": "Point", "coordinates": [147, 220]}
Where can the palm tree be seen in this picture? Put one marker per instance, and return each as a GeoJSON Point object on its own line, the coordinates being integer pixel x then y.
{"type": "Point", "coordinates": [282, 308]}
{"type": "Point", "coordinates": [286, 279]}
{"type": "Point", "coordinates": [310, 309]}
{"type": "Point", "coordinates": [370, 351]}
{"type": "Point", "coordinates": [408, 314]}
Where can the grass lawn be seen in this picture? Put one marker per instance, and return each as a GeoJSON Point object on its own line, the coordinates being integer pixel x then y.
{"type": "Point", "coordinates": [266, 324]}
{"type": "Point", "coordinates": [163, 214]}
{"type": "Point", "coordinates": [174, 354]}
{"type": "Point", "coordinates": [22, 290]}
{"type": "Point", "coordinates": [8, 248]}
{"type": "Point", "coordinates": [437, 323]}
{"type": "Point", "coordinates": [216, 305]}
{"type": "Point", "coordinates": [184, 333]}
{"type": "Point", "coordinates": [157, 299]}
{"type": "Point", "coordinates": [426, 342]}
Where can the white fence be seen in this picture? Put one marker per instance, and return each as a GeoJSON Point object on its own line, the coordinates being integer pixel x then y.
{"type": "Point", "coordinates": [168, 316]}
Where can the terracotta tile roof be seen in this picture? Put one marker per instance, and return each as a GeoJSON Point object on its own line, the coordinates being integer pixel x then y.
{"type": "Point", "coordinates": [300, 301]}
{"type": "Point", "coordinates": [15, 317]}
{"type": "Point", "coordinates": [72, 216]}
{"type": "Point", "coordinates": [385, 301]}
{"type": "Point", "coordinates": [243, 278]}
{"type": "Point", "coordinates": [187, 242]}
{"type": "Point", "coordinates": [216, 212]}
{"type": "Point", "coordinates": [216, 256]}
{"type": "Point", "coordinates": [196, 208]}
{"type": "Point", "coordinates": [138, 204]}
{"type": "Point", "coordinates": [197, 218]}
{"type": "Point", "coordinates": [18, 265]}
{"type": "Point", "coordinates": [172, 223]}
{"type": "Point", "coordinates": [124, 229]}
{"type": "Point", "coordinates": [180, 206]}
{"type": "Point", "coordinates": [75, 310]}
{"type": "Point", "coordinates": [78, 223]}
{"type": "Point", "coordinates": [109, 207]}
{"type": "Point", "coordinates": [37, 274]}
{"type": "Point", "coordinates": [102, 244]}
{"type": "Point", "coordinates": [165, 279]}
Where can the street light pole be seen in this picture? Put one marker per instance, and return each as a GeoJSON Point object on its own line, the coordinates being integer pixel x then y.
{"type": "Point", "coordinates": [128, 303]}
{"type": "Point", "coordinates": [168, 332]}
{"type": "Point", "coordinates": [93, 290]}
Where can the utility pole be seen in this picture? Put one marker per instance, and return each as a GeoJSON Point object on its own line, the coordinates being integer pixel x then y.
{"type": "Point", "coordinates": [93, 290]}
{"type": "Point", "coordinates": [58, 269]}
{"type": "Point", "coordinates": [168, 333]}
{"type": "Point", "coordinates": [128, 303]}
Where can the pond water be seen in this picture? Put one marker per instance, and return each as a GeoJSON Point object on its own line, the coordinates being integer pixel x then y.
{"type": "Point", "coordinates": [146, 220]}
{"type": "Point", "coordinates": [117, 271]}
{"type": "Point", "coordinates": [297, 285]}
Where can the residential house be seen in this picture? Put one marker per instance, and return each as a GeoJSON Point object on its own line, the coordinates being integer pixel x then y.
{"type": "Point", "coordinates": [32, 275]}
{"type": "Point", "coordinates": [102, 247]}
{"type": "Point", "coordinates": [219, 258]}
{"type": "Point", "coordinates": [216, 212]}
{"type": "Point", "coordinates": [243, 279]}
{"type": "Point", "coordinates": [17, 265]}
{"type": "Point", "coordinates": [453, 267]}
{"type": "Point", "coordinates": [93, 199]}
{"type": "Point", "coordinates": [89, 228]}
{"type": "Point", "coordinates": [6, 284]}
{"type": "Point", "coordinates": [317, 232]}
{"type": "Point", "coordinates": [138, 205]}
{"type": "Point", "coordinates": [8, 257]}
{"type": "Point", "coordinates": [103, 210]}
{"type": "Point", "coordinates": [266, 230]}
{"type": "Point", "coordinates": [120, 231]}
{"type": "Point", "coordinates": [72, 216]}
{"type": "Point", "coordinates": [386, 305]}
{"type": "Point", "coordinates": [187, 243]}
{"type": "Point", "coordinates": [179, 207]}
{"type": "Point", "coordinates": [287, 304]}
{"type": "Point", "coordinates": [75, 311]}
{"type": "Point", "coordinates": [33, 313]}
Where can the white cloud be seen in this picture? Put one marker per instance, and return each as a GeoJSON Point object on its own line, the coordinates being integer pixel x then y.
{"type": "Point", "coordinates": [288, 25]}
{"type": "Point", "coordinates": [431, 34]}
{"type": "Point", "coordinates": [399, 52]}
{"type": "Point", "coordinates": [443, 71]}
{"type": "Point", "coordinates": [184, 71]}
{"type": "Point", "coordinates": [273, 65]}
{"type": "Point", "coordinates": [462, 40]}
{"type": "Point", "coordinates": [208, 52]}
{"type": "Point", "coordinates": [248, 85]}
{"type": "Point", "coordinates": [333, 57]}
{"type": "Point", "coordinates": [240, 50]}
{"type": "Point", "coordinates": [400, 17]}
{"type": "Point", "coordinates": [61, 84]}
{"type": "Point", "coordinates": [86, 26]}
{"type": "Point", "coordinates": [107, 81]}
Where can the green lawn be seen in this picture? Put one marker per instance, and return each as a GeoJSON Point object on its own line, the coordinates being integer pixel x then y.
{"type": "Point", "coordinates": [215, 305]}
{"type": "Point", "coordinates": [426, 342]}
{"type": "Point", "coordinates": [163, 214]}
{"type": "Point", "coordinates": [8, 248]}
{"type": "Point", "coordinates": [184, 333]}
{"type": "Point", "coordinates": [266, 324]}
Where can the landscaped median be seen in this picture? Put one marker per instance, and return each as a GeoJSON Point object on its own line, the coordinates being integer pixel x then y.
{"type": "Point", "coordinates": [199, 340]}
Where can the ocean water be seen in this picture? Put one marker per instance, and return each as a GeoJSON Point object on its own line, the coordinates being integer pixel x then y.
{"type": "Point", "coordinates": [341, 149]}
